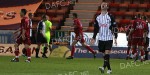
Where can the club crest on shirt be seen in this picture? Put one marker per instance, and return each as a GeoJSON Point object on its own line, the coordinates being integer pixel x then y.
{"type": "Point", "coordinates": [103, 25]}
{"type": "Point", "coordinates": [139, 25]}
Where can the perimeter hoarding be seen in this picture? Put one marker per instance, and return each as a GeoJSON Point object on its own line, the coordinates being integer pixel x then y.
{"type": "Point", "coordinates": [64, 51]}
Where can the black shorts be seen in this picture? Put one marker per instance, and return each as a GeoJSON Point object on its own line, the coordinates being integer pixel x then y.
{"type": "Point", "coordinates": [40, 39]}
{"type": "Point", "coordinates": [105, 45]}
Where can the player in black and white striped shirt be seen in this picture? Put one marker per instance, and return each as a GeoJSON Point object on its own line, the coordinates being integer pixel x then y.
{"type": "Point", "coordinates": [105, 25]}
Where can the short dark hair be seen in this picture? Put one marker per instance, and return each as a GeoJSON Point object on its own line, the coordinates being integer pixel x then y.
{"type": "Point", "coordinates": [44, 16]}
{"type": "Point", "coordinates": [75, 15]}
{"type": "Point", "coordinates": [29, 14]}
{"type": "Point", "coordinates": [24, 11]}
{"type": "Point", "coordinates": [139, 16]}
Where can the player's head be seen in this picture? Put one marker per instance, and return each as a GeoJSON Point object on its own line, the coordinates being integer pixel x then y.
{"type": "Point", "coordinates": [104, 6]}
{"type": "Point", "coordinates": [45, 17]}
{"type": "Point", "coordinates": [75, 15]}
{"type": "Point", "coordinates": [139, 16]}
{"type": "Point", "coordinates": [30, 15]}
{"type": "Point", "coordinates": [23, 12]}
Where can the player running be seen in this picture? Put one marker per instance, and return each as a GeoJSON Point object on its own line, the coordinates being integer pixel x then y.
{"type": "Point", "coordinates": [78, 37]}
{"type": "Point", "coordinates": [24, 37]}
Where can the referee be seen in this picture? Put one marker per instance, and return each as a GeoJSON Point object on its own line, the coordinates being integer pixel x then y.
{"type": "Point", "coordinates": [105, 25]}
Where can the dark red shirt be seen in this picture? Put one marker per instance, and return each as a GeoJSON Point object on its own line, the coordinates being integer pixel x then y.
{"type": "Point", "coordinates": [139, 27]}
{"type": "Point", "coordinates": [25, 25]}
{"type": "Point", "coordinates": [78, 27]}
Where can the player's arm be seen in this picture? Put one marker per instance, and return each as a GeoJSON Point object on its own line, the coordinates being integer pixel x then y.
{"type": "Point", "coordinates": [50, 26]}
{"type": "Point", "coordinates": [127, 33]}
{"type": "Point", "coordinates": [114, 28]}
{"type": "Point", "coordinates": [23, 28]}
{"type": "Point", "coordinates": [132, 29]}
{"type": "Point", "coordinates": [42, 30]}
{"type": "Point", "coordinates": [96, 29]}
{"type": "Point", "coordinates": [18, 30]}
{"type": "Point", "coordinates": [26, 27]}
{"type": "Point", "coordinates": [145, 32]}
{"type": "Point", "coordinates": [78, 25]}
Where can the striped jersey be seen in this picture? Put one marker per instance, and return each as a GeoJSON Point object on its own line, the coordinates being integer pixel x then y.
{"type": "Point", "coordinates": [148, 30]}
{"type": "Point", "coordinates": [30, 22]}
{"type": "Point", "coordinates": [105, 25]}
{"type": "Point", "coordinates": [41, 27]}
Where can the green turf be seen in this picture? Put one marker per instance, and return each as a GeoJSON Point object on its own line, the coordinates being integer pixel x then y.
{"type": "Point", "coordinates": [61, 66]}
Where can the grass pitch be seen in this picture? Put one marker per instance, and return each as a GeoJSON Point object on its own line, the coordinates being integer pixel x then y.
{"type": "Point", "coordinates": [77, 66]}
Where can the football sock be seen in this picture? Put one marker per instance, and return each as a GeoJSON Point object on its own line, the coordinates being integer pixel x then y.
{"type": "Point", "coordinates": [146, 55]}
{"type": "Point", "coordinates": [142, 53]}
{"type": "Point", "coordinates": [17, 53]}
{"type": "Point", "coordinates": [37, 52]}
{"type": "Point", "coordinates": [45, 51]}
{"type": "Point", "coordinates": [106, 61]}
{"type": "Point", "coordinates": [72, 51]}
{"type": "Point", "coordinates": [29, 54]}
{"type": "Point", "coordinates": [128, 51]}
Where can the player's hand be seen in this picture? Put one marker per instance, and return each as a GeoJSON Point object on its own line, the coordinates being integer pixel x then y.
{"type": "Point", "coordinates": [115, 42]}
{"type": "Point", "coordinates": [92, 41]}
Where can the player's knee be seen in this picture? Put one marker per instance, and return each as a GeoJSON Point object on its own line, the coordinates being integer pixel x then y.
{"type": "Point", "coordinates": [107, 51]}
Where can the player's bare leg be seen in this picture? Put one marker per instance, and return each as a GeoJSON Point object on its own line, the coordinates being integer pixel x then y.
{"type": "Point", "coordinates": [73, 50]}
{"type": "Point", "coordinates": [16, 59]}
{"type": "Point", "coordinates": [90, 49]}
{"type": "Point", "coordinates": [28, 53]}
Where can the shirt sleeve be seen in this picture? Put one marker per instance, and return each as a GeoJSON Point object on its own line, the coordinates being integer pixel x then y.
{"type": "Point", "coordinates": [50, 25]}
{"type": "Point", "coordinates": [113, 26]}
{"type": "Point", "coordinates": [43, 28]}
{"type": "Point", "coordinates": [77, 23]}
{"type": "Point", "coordinates": [134, 25]}
{"type": "Point", "coordinates": [96, 29]}
{"type": "Point", "coordinates": [40, 26]}
{"type": "Point", "coordinates": [146, 27]}
{"type": "Point", "coordinates": [78, 26]}
{"type": "Point", "coordinates": [25, 24]}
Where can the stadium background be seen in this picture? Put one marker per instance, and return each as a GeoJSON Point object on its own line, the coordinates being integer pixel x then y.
{"type": "Point", "coordinates": [60, 12]}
